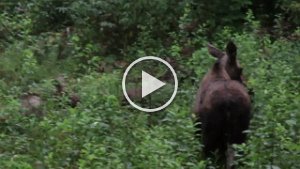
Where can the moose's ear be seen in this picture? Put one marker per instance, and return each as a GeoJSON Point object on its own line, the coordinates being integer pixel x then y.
{"type": "Point", "coordinates": [231, 50]}
{"type": "Point", "coordinates": [217, 66]}
{"type": "Point", "coordinates": [214, 51]}
{"type": "Point", "coordinates": [240, 71]}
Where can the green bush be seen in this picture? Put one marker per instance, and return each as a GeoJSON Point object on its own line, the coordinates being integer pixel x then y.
{"type": "Point", "coordinates": [87, 42]}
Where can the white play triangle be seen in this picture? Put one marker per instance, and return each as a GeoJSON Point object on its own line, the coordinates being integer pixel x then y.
{"type": "Point", "coordinates": [150, 84]}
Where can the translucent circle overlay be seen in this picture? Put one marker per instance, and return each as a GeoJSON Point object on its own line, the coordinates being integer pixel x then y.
{"type": "Point", "coordinates": [124, 84]}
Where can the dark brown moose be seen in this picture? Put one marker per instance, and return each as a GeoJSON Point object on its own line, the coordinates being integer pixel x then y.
{"type": "Point", "coordinates": [222, 106]}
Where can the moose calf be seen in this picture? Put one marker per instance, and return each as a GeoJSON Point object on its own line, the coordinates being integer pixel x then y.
{"type": "Point", "coordinates": [223, 106]}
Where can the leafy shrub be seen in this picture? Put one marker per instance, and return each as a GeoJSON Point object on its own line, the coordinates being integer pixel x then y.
{"type": "Point", "coordinates": [41, 40]}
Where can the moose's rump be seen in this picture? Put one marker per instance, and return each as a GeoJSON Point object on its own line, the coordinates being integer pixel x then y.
{"type": "Point", "coordinates": [224, 113]}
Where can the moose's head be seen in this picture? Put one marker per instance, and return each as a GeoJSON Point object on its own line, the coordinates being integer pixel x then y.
{"type": "Point", "coordinates": [228, 61]}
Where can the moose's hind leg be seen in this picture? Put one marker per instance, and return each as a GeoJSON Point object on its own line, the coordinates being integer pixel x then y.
{"type": "Point", "coordinates": [213, 138]}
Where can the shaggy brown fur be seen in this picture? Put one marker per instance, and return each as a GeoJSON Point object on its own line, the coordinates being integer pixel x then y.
{"type": "Point", "coordinates": [222, 106]}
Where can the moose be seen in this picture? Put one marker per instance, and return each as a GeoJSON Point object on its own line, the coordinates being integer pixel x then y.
{"type": "Point", "coordinates": [222, 106]}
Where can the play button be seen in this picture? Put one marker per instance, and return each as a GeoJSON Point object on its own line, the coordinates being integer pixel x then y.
{"type": "Point", "coordinates": [149, 84]}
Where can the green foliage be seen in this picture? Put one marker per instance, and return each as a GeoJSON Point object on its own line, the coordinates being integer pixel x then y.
{"type": "Point", "coordinates": [88, 41]}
